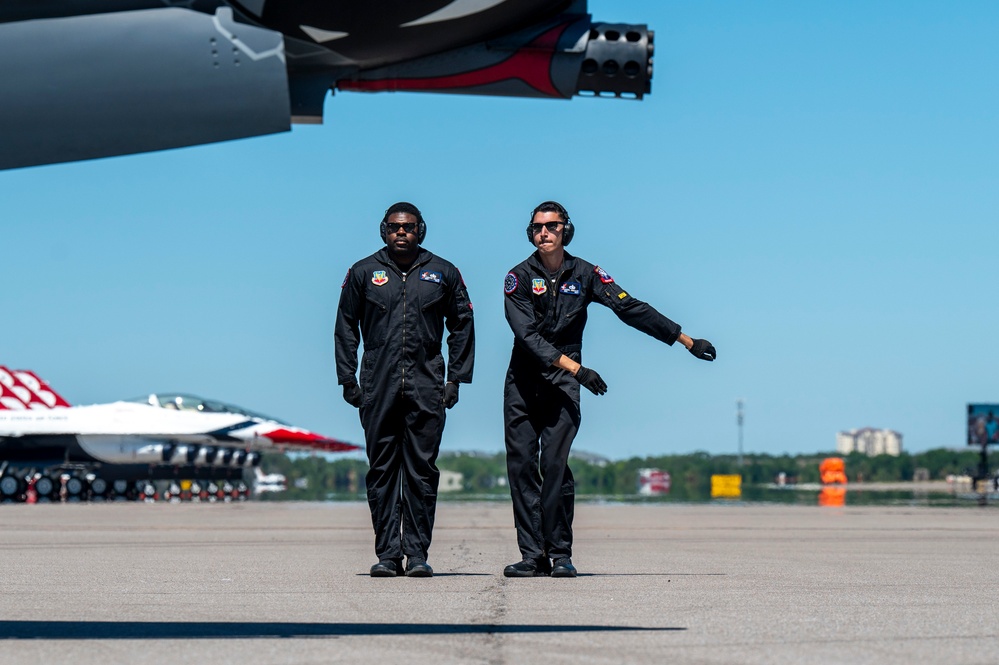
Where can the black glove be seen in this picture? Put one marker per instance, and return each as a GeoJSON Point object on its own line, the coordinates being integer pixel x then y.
{"type": "Point", "coordinates": [591, 381]}
{"type": "Point", "coordinates": [450, 394]}
{"type": "Point", "coordinates": [352, 395]}
{"type": "Point", "coordinates": [702, 349]}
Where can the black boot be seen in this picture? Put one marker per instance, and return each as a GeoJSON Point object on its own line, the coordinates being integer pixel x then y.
{"type": "Point", "coordinates": [529, 568]}
{"type": "Point", "coordinates": [563, 568]}
{"type": "Point", "coordinates": [387, 568]}
{"type": "Point", "coordinates": [418, 568]}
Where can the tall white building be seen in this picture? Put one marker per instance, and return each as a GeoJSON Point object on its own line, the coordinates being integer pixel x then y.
{"type": "Point", "coordinates": [869, 441]}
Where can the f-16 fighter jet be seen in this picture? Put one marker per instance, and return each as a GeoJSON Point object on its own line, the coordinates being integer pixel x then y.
{"type": "Point", "coordinates": [155, 437]}
{"type": "Point", "coordinates": [111, 77]}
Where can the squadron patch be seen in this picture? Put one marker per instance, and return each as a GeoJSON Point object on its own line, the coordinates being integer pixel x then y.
{"type": "Point", "coordinates": [604, 277]}
{"type": "Point", "coordinates": [571, 288]}
{"type": "Point", "coordinates": [538, 286]}
{"type": "Point", "coordinates": [345, 278]}
{"type": "Point", "coordinates": [430, 276]}
{"type": "Point", "coordinates": [510, 283]}
{"type": "Point", "coordinates": [378, 277]}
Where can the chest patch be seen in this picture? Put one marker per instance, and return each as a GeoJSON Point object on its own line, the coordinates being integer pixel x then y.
{"type": "Point", "coordinates": [510, 283]}
{"type": "Point", "coordinates": [538, 286]}
{"type": "Point", "coordinates": [379, 277]}
{"type": "Point", "coordinates": [571, 288]}
{"type": "Point", "coordinates": [430, 276]}
{"type": "Point", "coordinates": [602, 274]}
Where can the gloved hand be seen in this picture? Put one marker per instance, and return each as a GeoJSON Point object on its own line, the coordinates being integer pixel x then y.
{"type": "Point", "coordinates": [352, 395]}
{"type": "Point", "coordinates": [450, 394]}
{"type": "Point", "coordinates": [702, 349]}
{"type": "Point", "coordinates": [591, 381]}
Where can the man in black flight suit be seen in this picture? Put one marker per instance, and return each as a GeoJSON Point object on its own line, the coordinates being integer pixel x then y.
{"type": "Point", "coordinates": [546, 300]}
{"type": "Point", "coordinates": [398, 301]}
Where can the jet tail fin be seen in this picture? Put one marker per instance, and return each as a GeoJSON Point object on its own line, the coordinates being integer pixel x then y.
{"type": "Point", "coordinates": [25, 387]}
{"type": "Point", "coordinates": [41, 388]}
{"type": "Point", "coordinates": [9, 401]}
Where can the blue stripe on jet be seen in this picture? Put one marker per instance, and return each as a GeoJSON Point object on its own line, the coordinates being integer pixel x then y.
{"type": "Point", "coordinates": [224, 434]}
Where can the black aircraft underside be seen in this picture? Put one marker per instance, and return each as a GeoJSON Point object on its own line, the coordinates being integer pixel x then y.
{"type": "Point", "coordinates": [52, 457]}
{"type": "Point", "coordinates": [95, 78]}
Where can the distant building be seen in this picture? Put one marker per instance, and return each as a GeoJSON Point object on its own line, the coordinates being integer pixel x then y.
{"type": "Point", "coordinates": [869, 441]}
{"type": "Point", "coordinates": [589, 458]}
{"type": "Point", "coordinates": [653, 482]}
{"type": "Point", "coordinates": [451, 481]}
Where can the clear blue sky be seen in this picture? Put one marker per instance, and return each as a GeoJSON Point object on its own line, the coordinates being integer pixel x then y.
{"type": "Point", "coordinates": [814, 187]}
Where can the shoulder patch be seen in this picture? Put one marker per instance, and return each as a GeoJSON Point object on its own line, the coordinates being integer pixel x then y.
{"type": "Point", "coordinates": [602, 274]}
{"type": "Point", "coordinates": [510, 283]}
{"type": "Point", "coordinates": [430, 276]}
{"type": "Point", "coordinates": [345, 279]}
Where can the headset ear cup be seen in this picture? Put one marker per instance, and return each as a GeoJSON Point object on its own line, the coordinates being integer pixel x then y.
{"type": "Point", "coordinates": [530, 233]}
{"type": "Point", "coordinates": [421, 231]}
{"type": "Point", "coordinates": [383, 232]}
{"type": "Point", "coordinates": [567, 233]}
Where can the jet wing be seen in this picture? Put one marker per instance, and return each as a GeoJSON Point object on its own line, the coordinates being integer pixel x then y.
{"type": "Point", "coordinates": [135, 81]}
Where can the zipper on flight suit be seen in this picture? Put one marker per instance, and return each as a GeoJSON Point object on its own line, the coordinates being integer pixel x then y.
{"type": "Point", "coordinates": [402, 365]}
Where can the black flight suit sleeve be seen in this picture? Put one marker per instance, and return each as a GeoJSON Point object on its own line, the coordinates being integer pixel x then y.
{"type": "Point", "coordinates": [461, 331]}
{"type": "Point", "coordinates": [346, 335]}
{"type": "Point", "coordinates": [520, 316]}
{"type": "Point", "coordinates": [637, 314]}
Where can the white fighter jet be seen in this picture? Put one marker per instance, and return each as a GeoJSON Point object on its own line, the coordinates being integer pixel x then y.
{"type": "Point", "coordinates": [154, 437]}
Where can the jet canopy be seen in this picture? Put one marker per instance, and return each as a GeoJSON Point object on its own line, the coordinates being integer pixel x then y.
{"type": "Point", "coordinates": [182, 402]}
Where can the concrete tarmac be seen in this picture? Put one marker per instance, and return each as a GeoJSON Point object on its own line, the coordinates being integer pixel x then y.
{"type": "Point", "coordinates": [288, 583]}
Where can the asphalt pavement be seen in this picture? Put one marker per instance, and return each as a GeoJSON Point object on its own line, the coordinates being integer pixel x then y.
{"type": "Point", "coordinates": [263, 582]}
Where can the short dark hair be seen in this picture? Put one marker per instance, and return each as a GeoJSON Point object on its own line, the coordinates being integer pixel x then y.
{"type": "Point", "coordinates": [403, 206]}
{"type": "Point", "coordinates": [551, 206]}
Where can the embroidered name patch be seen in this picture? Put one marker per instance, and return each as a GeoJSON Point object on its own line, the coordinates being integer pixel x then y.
{"type": "Point", "coordinates": [510, 283]}
{"type": "Point", "coordinates": [378, 277]}
{"type": "Point", "coordinates": [430, 276]}
{"type": "Point", "coordinates": [571, 288]}
{"type": "Point", "coordinates": [538, 286]}
{"type": "Point", "coordinates": [604, 277]}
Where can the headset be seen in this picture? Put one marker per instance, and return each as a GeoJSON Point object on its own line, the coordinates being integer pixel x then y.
{"type": "Point", "coordinates": [552, 206]}
{"type": "Point", "coordinates": [402, 206]}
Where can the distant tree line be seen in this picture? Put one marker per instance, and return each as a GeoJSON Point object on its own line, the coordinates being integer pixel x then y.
{"type": "Point", "coordinates": [484, 475]}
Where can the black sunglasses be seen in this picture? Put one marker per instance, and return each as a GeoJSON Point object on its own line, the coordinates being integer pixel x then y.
{"type": "Point", "coordinates": [553, 227]}
{"type": "Point", "coordinates": [408, 227]}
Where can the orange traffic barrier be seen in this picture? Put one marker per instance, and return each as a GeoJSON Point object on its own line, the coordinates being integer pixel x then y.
{"type": "Point", "coordinates": [832, 471]}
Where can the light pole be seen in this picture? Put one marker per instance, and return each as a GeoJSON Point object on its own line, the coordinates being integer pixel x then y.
{"type": "Point", "coordinates": [738, 420]}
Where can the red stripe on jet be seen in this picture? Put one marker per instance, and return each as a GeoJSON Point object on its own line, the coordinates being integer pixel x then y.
{"type": "Point", "coordinates": [531, 64]}
{"type": "Point", "coordinates": [290, 437]}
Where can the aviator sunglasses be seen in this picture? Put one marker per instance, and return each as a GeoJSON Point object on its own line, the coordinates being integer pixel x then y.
{"type": "Point", "coordinates": [392, 227]}
{"type": "Point", "coordinates": [553, 227]}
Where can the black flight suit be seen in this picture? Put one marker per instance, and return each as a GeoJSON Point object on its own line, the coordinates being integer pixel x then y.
{"type": "Point", "coordinates": [401, 319]}
{"type": "Point", "coordinates": [541, 402]}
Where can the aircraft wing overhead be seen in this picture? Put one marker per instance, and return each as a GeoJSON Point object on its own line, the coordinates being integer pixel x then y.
{"type": "Point", "coordinates": [135, 81]}
{"type": "Point", "coordinates": [98, 78]}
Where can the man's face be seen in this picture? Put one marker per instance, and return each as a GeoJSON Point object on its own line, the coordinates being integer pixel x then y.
{"type": "Point", "coordinates": [546, 239]}
{"type": "Point", "coordinates": [400, 233]}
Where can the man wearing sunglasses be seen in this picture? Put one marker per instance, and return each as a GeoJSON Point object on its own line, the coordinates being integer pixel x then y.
{"type": "Point", "coordinates": [546, 300]}
{"type": "Point", "coordinates": [399, 301]}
